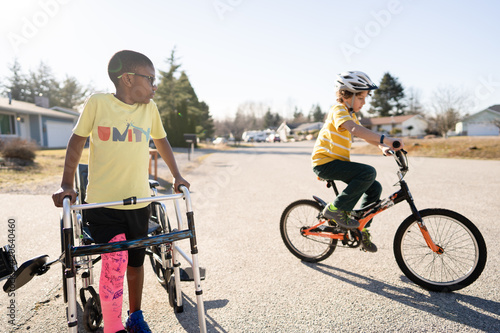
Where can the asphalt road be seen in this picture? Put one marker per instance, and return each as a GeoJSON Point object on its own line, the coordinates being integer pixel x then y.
{"type": "Point", "coordinates": [254, 284]}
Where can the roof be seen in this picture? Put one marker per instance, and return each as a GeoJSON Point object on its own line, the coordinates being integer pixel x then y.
{"type": "Point", "coordinates": [495, 108]}
{"type": "Point", "coordinates": [386, 120]}
{"type": "Point", "coordinates": [30, 108]}
{"type": "Point", "coordinates": [493, 112]}
{"type": "Point", "coordinates": [309, 126]}
{"type": "Point", "coordinates": [66, 110]}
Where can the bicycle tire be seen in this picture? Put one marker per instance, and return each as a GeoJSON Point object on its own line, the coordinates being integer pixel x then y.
{"type": "Point", "coordinates": [297, 216]}
{"type": "Point", "coordinates": [464, 256]}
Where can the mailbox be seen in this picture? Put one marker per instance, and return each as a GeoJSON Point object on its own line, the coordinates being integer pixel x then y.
{"type": "Point", "coordinates": [190, 138]}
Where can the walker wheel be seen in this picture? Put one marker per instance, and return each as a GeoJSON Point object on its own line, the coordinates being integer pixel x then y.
{"type": "Point", "coordinates": [172, 295]}
{"type": "Point", "coordinates": [92, 315]}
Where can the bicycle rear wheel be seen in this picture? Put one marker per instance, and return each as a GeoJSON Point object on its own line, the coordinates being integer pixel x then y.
{"type": "Point", "coordinates": [462, 261]}
{"type": "Point", "coordinates": [298, 216]}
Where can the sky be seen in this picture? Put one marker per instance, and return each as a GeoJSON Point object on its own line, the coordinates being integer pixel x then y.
{"type": "Point", "coordinates": [280, 53]}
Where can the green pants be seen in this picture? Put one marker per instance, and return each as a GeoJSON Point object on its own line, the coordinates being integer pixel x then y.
{"type": "Point", "coordinates": [360, 180]}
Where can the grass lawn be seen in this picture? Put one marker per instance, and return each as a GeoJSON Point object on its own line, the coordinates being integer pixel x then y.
{"type": "Point", "coordinates": [48, 164]}
{"type": "Point", "coordinates": [484, 148]}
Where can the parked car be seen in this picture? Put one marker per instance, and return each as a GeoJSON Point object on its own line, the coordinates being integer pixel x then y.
{"type": "Point", "coordinates": [219, 141]}
{"type": "Point", "coordinates": [273, 138]}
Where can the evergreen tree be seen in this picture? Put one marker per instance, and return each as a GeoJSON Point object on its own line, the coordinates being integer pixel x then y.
{"type": "Point", "coordinates": [70, 94]}
{"type": "Point", "coordinates": [298, 116]}
{"type": "Point", "coordinates": [413, 105]}
{"type": "Point", "coordinates": [16, 83]}
{"type": "Point", "coordinates": [206, 128]}
{"type": "Point", "coordinates": [271, 120]}
{"type": "Point", "coordinates": [42, 83]}
{"type": "Point", "coordinates": [316, 114]}
{"type": "Point", "coordinates": [388, 98]}
{"type": "Point", "coordinates": [179, 107]}
{"type": "Point", "coordinates": [268, 119]}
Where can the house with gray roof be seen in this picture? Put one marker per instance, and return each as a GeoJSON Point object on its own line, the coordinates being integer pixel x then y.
{"type": "Point", "coordinates": [483, 123]}
{"type": "Point", "coordinates": [49, 128]}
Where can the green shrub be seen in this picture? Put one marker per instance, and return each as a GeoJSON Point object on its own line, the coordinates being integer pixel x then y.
{"type": "Point", "coordinates": [395, 131]}
{"type": "Point", "coordinates": [18, 149]}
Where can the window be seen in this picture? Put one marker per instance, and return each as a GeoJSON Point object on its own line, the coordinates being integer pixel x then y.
{"type": "Point", "coordinates": [7, 124]}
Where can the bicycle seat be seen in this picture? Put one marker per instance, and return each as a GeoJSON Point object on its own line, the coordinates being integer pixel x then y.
{"type": "Point", "coordinates": [325, 180]}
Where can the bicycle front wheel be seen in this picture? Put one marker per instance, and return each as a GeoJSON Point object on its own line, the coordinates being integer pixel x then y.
{"type": "Point", "coordinates": [462, 261]}
{"type": "Point", "coordinates": [298, 216]}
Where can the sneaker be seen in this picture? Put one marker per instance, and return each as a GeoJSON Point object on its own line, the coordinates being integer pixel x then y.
{"type": "Point", "coordinates": [340, 217]}
{"type": "Point", "coordinates": [366, 241]}
{"type": "Point", "coordinates": [136, 324]}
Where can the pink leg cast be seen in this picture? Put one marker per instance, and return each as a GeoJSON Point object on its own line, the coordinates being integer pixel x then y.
{"type": "Point", "coordinates": [114, 266]}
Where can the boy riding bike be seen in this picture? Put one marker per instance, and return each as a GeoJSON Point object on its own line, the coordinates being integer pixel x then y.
{"type": "Point", "coordinates": [331, 154]}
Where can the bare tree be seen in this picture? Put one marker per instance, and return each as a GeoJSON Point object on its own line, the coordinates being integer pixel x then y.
{"type": "Point", "coordinates": [413, 104]}
{"type": "Point", "coordinates": [449, 104]}
{"type": "Point", "coordinates": [249, 116]}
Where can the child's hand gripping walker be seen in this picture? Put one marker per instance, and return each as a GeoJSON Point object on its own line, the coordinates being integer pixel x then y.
{"type": "Point", "coordinates": [161, 246]}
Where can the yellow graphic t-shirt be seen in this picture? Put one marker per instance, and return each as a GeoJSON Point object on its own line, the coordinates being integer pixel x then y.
{"type": "Point", "coordinates": [333, 142]}
{"type": "Point", "coordinates": [119, 147]}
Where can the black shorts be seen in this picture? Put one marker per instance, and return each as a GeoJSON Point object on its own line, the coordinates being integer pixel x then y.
{"type": "Point", "coordinates": [106, 223]}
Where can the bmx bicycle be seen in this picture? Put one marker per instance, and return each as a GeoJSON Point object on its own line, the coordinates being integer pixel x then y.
{"type": "Point", "coordinates": [438, 249]}
{"type": "Point", "coordinates": [78, 261]}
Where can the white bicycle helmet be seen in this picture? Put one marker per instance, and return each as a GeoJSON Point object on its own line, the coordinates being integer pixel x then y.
{"type": "Point", "coordinates": [354, 81]}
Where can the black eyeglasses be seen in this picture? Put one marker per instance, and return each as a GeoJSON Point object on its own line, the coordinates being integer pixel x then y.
{"type": "Point", "coordinates": [150, 78]}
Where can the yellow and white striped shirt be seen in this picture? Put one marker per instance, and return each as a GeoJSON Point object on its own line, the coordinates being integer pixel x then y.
{"type": "Point", "coordinates": [333, 142]}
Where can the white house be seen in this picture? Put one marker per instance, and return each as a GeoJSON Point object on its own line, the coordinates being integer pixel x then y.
{"type": "Point", "coordinates": [286, 130]}
{"type": "Point", "coordinates": [409, 125]}
{"type": "Point", "coordinates": [49, 128]}
{"type": "Point", "coordinates": [481, 123]}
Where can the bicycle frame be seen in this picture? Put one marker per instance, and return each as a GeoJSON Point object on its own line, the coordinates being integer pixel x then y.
{"type": "Point", "coordinates": [366, 214]}
{"type": "Point", "coordinates": [71, 251]}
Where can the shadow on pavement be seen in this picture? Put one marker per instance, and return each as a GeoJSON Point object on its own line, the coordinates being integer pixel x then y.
{"type": "Point", "coordinates": [452, 306]}
{"type": "Point", "coordinates": [189, 318]}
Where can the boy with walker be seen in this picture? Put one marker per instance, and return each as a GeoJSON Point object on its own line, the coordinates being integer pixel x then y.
{"type": "Point", "coordinates": [331, 154]}
{"type": "Point", "coordinates": [120, 126]}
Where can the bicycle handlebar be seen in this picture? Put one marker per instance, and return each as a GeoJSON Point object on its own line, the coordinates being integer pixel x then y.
{"type": "Point", "coordinates": [401, 159]}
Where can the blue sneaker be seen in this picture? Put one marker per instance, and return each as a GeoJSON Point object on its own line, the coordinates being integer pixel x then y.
{"type": "Point", "coordinates": [136, 324]}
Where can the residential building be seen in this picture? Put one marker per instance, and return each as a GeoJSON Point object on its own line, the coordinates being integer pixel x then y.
{"type": "Point", "coordinates": [407, 125]}
{"type": "Point", "coordinates": [49, 128]}
{"type": "Point", "coordinates": [484, 123]}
